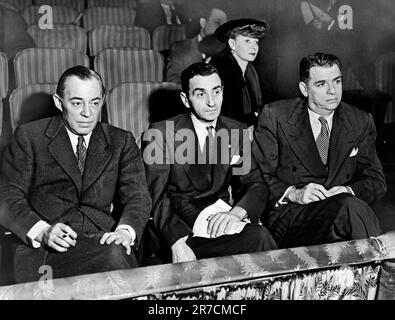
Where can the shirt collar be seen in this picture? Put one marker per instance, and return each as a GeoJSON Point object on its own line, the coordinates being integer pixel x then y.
{"type": "Point", "coordinates": [74, 139]}
{"type": "Point", "coordinates": [314, 118]}
{"type": "Point", "coordinates": [201, 126]}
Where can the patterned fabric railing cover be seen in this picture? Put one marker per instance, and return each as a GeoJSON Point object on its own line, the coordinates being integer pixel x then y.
{"type": "Point", "coordinates": [61, 36]}
{"type": "Point", "coordinates": [113, 3]}
{"type": "Point", "coordinates": [3, 75]}
{"type": "Point", "coordinates": [61, 15]}
{"type": "Point", "coordinates": [105, 37]}
{"type": "Point", "coordinates": [174, 280]}
{"type": "Point", "coordinates": [164, 36]}
{"type": "Point", "coordinates": [45, 65]}
{"type": "Point", "coordinates": [385, 72]}
{"type": "Point", "coordinates": [1, 116]}
{"type": "Point", "coordinates": [94, 17]}
{"type": "Point", "coordinates": [127, 105]}
{"type": "Point", "coordinates": [19, 95]}
{"type": "Point", "coordinates": [117, 66]}
{"type": "Point", "coordinates": [78, 5]}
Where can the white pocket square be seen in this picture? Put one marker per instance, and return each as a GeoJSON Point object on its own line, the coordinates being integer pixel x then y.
{"type": "Point", "coordinates": [354, 152]}
{"type": "Point", "coordinates": [234, 160]}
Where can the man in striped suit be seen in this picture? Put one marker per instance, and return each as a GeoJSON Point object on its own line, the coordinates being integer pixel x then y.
{"type": "Point", "coordinates": [319, 159]}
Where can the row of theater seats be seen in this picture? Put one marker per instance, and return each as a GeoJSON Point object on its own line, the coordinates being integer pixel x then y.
{"type": "Point", "coordinates": [78, 5]}
{"type": "Point", "coordinates": [130, 77]}
{"type": "Point", "coordinates": [106, 36]}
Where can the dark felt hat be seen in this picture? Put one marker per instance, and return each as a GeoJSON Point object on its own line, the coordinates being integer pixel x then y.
{"type": "Point", "coordinates": [223, 31]}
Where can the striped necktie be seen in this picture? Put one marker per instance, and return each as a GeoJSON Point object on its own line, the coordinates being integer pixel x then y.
{"type": "Point", "coordinates": [323, 140]}
{"type": "Point", "coordinates": [81, 154]}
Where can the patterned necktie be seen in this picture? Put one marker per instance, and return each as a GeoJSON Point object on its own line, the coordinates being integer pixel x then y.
{"type": "Point", "coordinates": [323, 140]}
{"type": "Point", "coordinates": [173, 15]}
{"type": "Point", "coordinates": [209, 144]}
{"type": "Point", "coordinates": [81, 154]}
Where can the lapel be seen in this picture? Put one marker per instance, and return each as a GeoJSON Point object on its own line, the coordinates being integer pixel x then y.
{"type": "Point", "coordinates": [61, 150]}
{"type": "Point", "coordinates": [341, 142]}
{"type": "Point", "coordinates": [196, 172]}
{"type": "Point", "coordinates": [220, 169]}
{"type": "Point", "coordinates": [98, 155]}
{"type": "Point", "coordinates": [300, 136]}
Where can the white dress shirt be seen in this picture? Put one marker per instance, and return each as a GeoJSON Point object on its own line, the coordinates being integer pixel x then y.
{"type": "Point", "coordinates": [201, 130]}
{"type": "Point", "coordinates": [42, 225]}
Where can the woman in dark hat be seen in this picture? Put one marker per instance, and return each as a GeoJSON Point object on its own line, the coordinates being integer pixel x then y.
{"type": "Point", "coordinates": [242, 91]}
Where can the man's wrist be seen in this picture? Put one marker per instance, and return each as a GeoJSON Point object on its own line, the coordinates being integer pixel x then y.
{"type": "Point", "coordinates": [240, 212]}
{"type": "Point", "coordinates": [291, 194]}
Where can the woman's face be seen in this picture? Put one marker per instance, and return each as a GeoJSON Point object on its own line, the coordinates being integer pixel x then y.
{"type": "Point", "coordinates": [246, 48]}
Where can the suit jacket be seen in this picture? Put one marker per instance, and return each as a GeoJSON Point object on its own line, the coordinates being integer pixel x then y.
{"type": "Point", "coordinates": [242, 94]}
{"type": "Point", "coordinates": [186, 52]}
{"type": "Point", "coordinates": [286, 151]}
{"type": "Point", "coordinates": [181, 191]}
{"type": "Point", "coordinates": [40, 178]}
{"type": "Point", "coordinates": [150, 14]}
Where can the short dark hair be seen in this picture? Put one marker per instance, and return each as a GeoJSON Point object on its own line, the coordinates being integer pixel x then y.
{"type": "Point", "coordinates": [196, 69]}
{"type": "Point", "coordinates": [317, 59]}
{"type": "Point", "coordinates": [80, 72]}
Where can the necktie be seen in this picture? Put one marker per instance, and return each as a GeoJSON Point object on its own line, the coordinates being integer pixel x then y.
{"type": "Point", "coordinates": [208, 150]}
{"type": "Point", "coordinates": [173, 15]}
{"type": "Point", "coordinates": [323, 140]}
{"type": "Point", "coordinates": [81, 154]}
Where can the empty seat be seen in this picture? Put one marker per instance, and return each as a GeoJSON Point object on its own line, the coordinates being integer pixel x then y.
{"type": "Point", "coordinates": [128, 105]}
{"type": "Point", "coordinates": [94, 17]}
{"type": "Point", "coordinates": [61, 15]}
{"type": "Point", "coordinates": [19, 5]}
{"type": "Point", "coordinates": [42, 65]}
{"type": "Point", "coordinates": [78, 5]}
{"type": "Point", "coordinates": [112, 3]}
{"type": "Point", "coordinates": [164, 36]}
{"type": "Point", "coordinates": [118, 66]}
{"type": "Point", "coordinates": [61, 36]}
{"type": "Point", "coordinates": [104, 37]}
{"type": "Point", "coordinates": [3, 75]}
{"type": "Point", "coordinates": [32, 102]}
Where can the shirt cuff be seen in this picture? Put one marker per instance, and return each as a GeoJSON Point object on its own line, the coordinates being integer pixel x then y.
{"type": "Point", "coordinates": [130, 230]}
{"type": "Point", "coordinates": [350, 190]}
{"type": "Point", "coordinates": [282, 202]}
{"type": "Point", "coordinates": [35, 231]}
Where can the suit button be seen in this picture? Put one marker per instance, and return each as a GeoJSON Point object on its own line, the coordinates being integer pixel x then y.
{"type": "Point", "coordinates": [294, 169]}
{"type": "Point", "coordinates": [348, 176]}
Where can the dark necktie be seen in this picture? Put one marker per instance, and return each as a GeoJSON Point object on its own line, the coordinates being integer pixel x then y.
{"type": "Point", "coordinates": [81, 154]}
{"type": "Point", "coordinates": [208, 151]}
{"type": "Point", "coordinates": [173, 15]}
{"type": "Point", "coordinates": [323, 140]}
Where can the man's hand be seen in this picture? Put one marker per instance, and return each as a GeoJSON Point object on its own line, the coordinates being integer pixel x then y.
{"type": "Point", "coordinates": [309, 193]}
{"type": "Point", "coordinates": [220, 223]}
{"type": "Point", "coordinates": [181, 252]}
{"type": "Point", "coordinates": [58, 237]}
{"type": "Point", "coordinates": [121, 236]}
{"type": "Point", "coordinates": [337, 190]}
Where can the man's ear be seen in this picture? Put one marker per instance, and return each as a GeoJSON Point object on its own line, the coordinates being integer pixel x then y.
{"type": "Point", "coordinates": [303, 89]}
{"type": "Point", "coordinates": [58, 102]}
{"type": "Point", "coordinates": [184, 99]}
{"type": "Point", "coordinates": [232, 43]}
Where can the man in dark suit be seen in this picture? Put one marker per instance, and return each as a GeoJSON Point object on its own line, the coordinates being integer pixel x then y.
{"type": "Point", "coordinates": [318, 156]}
{"type": "Point", "coordinates": [188, 171]}
{"type": "Point", "coordinates": [60, 178]}
{"type": "Point", "coordinates": [200, 48]}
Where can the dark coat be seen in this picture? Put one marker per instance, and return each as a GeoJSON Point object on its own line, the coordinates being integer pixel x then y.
{"type": "Point", "coordinates": [40, 178]}
{"type": "Point", "coordinates": [236, 85]}
{"type": "Point", "coordinates": [180, 191]}
{"type": "Point", "coordinates": [286, 152]}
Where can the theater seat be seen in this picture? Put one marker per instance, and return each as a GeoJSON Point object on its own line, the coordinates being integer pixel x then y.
{"type": "Point", "coordinates": [78, 5]}
{"type": "Point", "coordinates": [163, 36]}
{"type": "Point", "coordinates": [61, 15]}
{"type": "Point", "coordinates": [61, 36]}
{"type": "Point", "coordinates": [128, 105]}
{"type": "Point", "coordinates": [104, 37]}
{"type": "Point", "coordinates": [117, 66]}
{"type": "Point", "coordinates": [45, 65]}
{"type": "Point", "coordinates": [113, 3]}
{"type": "Point", "coordinates": [96, 16]}
{"type": "Point", "coordinates": [32, 102]}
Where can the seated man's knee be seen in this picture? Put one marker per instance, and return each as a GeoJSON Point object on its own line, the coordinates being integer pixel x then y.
{"type": "Point", "coordinates": [118, 258]}
{"type": "Point", "coordinates": [261, 237]}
